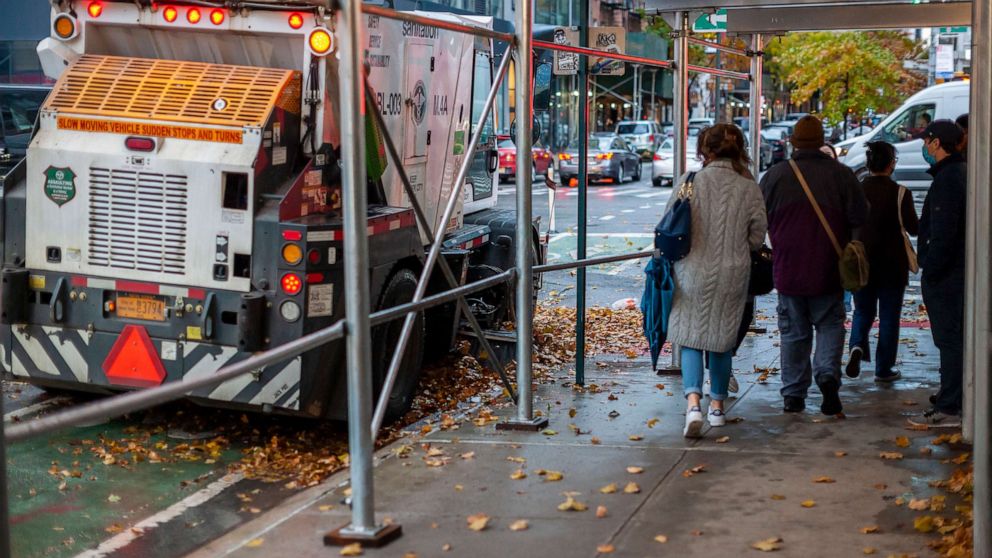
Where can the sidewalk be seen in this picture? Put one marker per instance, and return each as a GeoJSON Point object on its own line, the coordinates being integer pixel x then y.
{"type": "Point", "coordinates": [749, 488]}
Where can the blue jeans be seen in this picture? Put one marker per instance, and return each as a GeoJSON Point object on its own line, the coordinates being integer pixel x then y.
{"type": "Point", "coordinates": [692, 372]}
{"type": "Point", "coordinates": [887, 303]}
{"type": "Point", "coordinates": [798, 316]}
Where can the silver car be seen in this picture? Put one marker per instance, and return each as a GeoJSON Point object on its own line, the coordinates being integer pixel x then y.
{"type": "Point", "coordinates": [643, 135]}
{"type": "Point", "coordinates": [663, 163]}
{"type": "Point", "coordinates": [610, 160]}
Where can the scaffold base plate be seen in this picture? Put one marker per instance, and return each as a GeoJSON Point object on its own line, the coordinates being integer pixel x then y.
{"type": "Point", "coordinates": [533, 425]}
{"type": "Point", "coordinates": [342, 537]}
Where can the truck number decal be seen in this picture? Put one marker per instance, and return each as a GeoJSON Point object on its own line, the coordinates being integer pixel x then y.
{"type": "Point", "coordinates": [391, 103]}
{"type": "Point", "coordinates": [440, 105]}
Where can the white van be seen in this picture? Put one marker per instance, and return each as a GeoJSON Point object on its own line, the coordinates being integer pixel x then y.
{"type": "Point", "coordinates": [902, 129]}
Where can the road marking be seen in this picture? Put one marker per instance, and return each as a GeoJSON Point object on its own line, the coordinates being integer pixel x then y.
{"type": "Point", "coordinates": [627, 211]}
{"type": "Point", "coordinates": [36, 408]}
{"type": "Point", "coordinates": [651, 194]}
{"type": "Point", "coordinates": [607, 217]}
{"type": "Point", "coordinates": [196, 499]}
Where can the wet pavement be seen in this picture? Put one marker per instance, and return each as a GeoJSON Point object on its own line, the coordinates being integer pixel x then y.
{"type": "Point", "coordinates": [752, 480]}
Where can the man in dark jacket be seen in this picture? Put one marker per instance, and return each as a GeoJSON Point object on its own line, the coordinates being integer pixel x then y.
{"type": "Point", "coordinates": [805, 264]}
{"type": "Point", "coordinates": [941, 252]}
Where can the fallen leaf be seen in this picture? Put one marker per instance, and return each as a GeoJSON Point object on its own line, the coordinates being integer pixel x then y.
{"type": "Point", "coordinates": [660, 386]}
{"type": "Point", "coordinates": [605, 548]}
{"type": "Point", "coordinates": [518, 474]}
{"type": "Point", "coordinates": [635, 470]}
{"type": "Point", "coordinates": [446, 547]}
{"type": "Point", "coordinates": [902, 441]}
{"type": "Point", "coordinates": [823, 480]}
{"type": "Point", "coordinates": [840, 453]}
{"type": "Point", "coordinates": [468, 455]}
{"type": "Point", "coordinates": [113, 498]}
{"type": "Point", "coordinates": [881, 486]}
{"type": "Point", "coordinates": [722, 439]}
{"type": "Point", "coordinates": [869, 529]}
{"type": "Point", "coordinates": [868, 550]}
{"type": "Point", "coordinates": [696, 533]}
{"type": "Point", "coordinates": [601, 512]}
{"type": "Point", "coordinates": [325, 507]}
{"type": "Point", "coordinates": [254, 543]}
{"type": "Point", "coordinates": [549, 432]}
{"type": "Point", "coordinates": [767, 545]}
{"type": "Point", "coordinates": [653, 422]}
{"type": "Point", "coordinates": [923, 524]}
{"type": "Point", "coordinates": [594, 441]}
{"type": "Point", "coordinates": [890, 455]}
{"type": "Point", "coordinates": [571, 504]}
{"type": "Point", "coordinates": [635, 437]}
{"type": "Point", "coordinates": [961, 459]}
{"type": "Point", "coordinates": [478, 522]}
{"type": "Point", "coordinates": [517, 459]}
{"type": "Point", "coordinates": [459, 488]}
{"type": "Point", "coordinates": [609, 489]}
{"type": "Point", "coordinates": [353, 549]}
{"type": "Point", "coordinates": [572, 412]}
{"type": "Point", "coordinates": [434, 462]}
{"type": "Point", "coordinates": [778, 497]}
{"type": "Point", "coordinates": [435, 452]}
{"type": "Point", "coordinates": [661, 538]}
{"type": "Point", "coordinates": [410, 555]}
{"type": "Point", "coordinates": [808, 503]}
{"type": "Point", "coordinates": [519, 525]}
{"type": "Point", "coordinates": [919, 504]}
{"type": "Point", "coordinates": [631, 488]}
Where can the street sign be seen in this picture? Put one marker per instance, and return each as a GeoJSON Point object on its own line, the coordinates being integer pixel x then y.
{"type": "Point", "coordinates": [711, 23]}
{"type": "Point", "coordinates": [945, 60]}
{"type": "Point", "coordinates": [608, 39]}
{"type": "Point", "coordinates": [566, 63]}
{"type": "Point", "coordinates": [952, 29]}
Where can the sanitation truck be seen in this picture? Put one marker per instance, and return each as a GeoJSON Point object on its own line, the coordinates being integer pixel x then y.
{"type": "Point", "coordinates": [179, 206]}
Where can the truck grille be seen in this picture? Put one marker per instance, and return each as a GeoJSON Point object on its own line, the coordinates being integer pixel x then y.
{"type": "Point", "coordinates": [137, 220]}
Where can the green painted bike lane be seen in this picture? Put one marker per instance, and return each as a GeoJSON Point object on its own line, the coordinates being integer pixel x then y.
{"type": "Point", "coordinates": [67, 496]}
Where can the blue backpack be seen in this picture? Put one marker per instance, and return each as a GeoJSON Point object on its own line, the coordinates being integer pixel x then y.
{"type": "Point", "coordinates": [673, 235]}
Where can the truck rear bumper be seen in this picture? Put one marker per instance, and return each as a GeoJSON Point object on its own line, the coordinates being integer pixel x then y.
{"type": "Point", "coordinates": [80, 360]}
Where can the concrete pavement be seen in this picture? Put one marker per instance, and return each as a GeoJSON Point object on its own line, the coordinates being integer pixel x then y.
{"type": "Point", "coordinates": [746, 488]}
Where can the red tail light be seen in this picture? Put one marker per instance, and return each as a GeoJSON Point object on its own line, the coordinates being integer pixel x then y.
{"type": "Point", "coordinates": [292, 235]}
{"type": "Point", "coordinates": [651, 138]}
{"type": "Point", "coordinates": [170, 14]}
{"type": "Point", "coordinates": [295, 21]}
{"type": "Point", "coordinates": [139, 144]}
{"type": "Point", "coordinates": [291, 284]}
{"type": "Point", "coordinates": [94, 9]}
{"type": "Point", "coordinates": [605, 156]}
{"type": "Point", "coordinates": [217, 17]}
{"type": "Point", "coordinates": [315, 277]}
{"type": "Point", "coordinates": [193, 16]}
{"type": "Point", "coordinates": [564, 157]}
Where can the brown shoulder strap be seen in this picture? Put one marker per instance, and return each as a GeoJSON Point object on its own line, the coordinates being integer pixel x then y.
{"type": "Point", "coordinates": [902, 193]}
{"type": "Point", "coordinates": [816, 207]}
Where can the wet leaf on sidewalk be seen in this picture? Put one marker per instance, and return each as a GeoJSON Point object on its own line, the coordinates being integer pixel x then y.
{"type": "Point", "coordinates": [353, 549]}
{"type": "Point", "coordinates": [635, 437]}
{"type": "Point", "coordinates": [868, 550]}
{"type": "Point", "coordinates": [902, 441]}
{"type": "Point", "coordinates": [601, 512]}
{"type": "Point", "coordinates": [631, 488]}
{"type": "Point", "coordinates": [923, 524]}
{"type": "Point", "coordinates": [255, 543]}
{"type": "Point", "coordinates": [478, 522]}
{"type": "Point", "coordinates": [768, 545]}
{"type": "Point", "coordinates": [808, 503]}
{"type": "Point", "coordinates": [823, 480]}
{"type": "Point", "coordinates": [635, 470]}
{"type": "Point", "coordinates": [840, 453]}
{"type": "Point", "coordinates": [571, 504]}
{"type": "Point", "coordinates": [870, 529]}
{"type": "Point", "coordinates": [518, 474]}
{"type": "Point", "coordinates": [919, 504]}
{"type": "Point", "coordinates": [890, 455]}
{"type": "Point", "coordinates": [653, 422]}
{"type": "Point", "coordinates": [661, 538]}
{"type": "Point", "coordinates": [778, 497]}
{"type": "Point", "coordinates": [551, 476]}
{"type": "Point", "coordinates": [722, 439]}
{"type": "Point", "coordinates": [605, 549]}
{"type": "Point", "coordinates": [609, 489]}
{"type": "Point", "coordinates": [519, 525]}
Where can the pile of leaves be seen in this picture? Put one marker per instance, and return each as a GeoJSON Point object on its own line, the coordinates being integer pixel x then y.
{"type": "Point", "coordinates": [607, 332]}
{"type": "Point", "coordinates": [956, 531]}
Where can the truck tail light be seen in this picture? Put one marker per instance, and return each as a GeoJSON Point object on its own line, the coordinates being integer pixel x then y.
{"type": "Point", "coordinates": [320, 41]}
{"type": "Point", "coordinates": [217, 17]}
{"type": "Point", "coordinates": [139, 144]}
{"type": "Point", "coordinates": [94, 9]}
{"type": "Point", "coordinates": [291, 284]}
{"type": "Point", "coordinates": [315, 277]}
{"type": "Point", "coordinates": [170, 14]}
{"type": "Point", "coordinates": [292, 235]}
{"type": "Point", "coordinates": [64, 26]}
{"type": "Point", "coordinates": [295, 21]}
{"type": "Point", "coordinates": [314, 256]}
{"type": "Point", "coordinates": [193, 16]}
{"type": "Point", "coordinates": [292, 254]}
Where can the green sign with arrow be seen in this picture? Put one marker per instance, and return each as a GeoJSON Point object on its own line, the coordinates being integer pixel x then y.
{"type": "Point", "coordinates": [711, 23]}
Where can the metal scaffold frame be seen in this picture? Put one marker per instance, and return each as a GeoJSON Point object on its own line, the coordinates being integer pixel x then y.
{"type": "Point", "coordinates": [356, 100]}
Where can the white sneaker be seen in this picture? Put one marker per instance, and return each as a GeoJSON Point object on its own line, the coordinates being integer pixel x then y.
{"type": "Point", "coordinates": [693, 423]}
{"type": "Point", "coordinates": [716, 417]}
{"type": "Point", "coordinates": [733, 386]}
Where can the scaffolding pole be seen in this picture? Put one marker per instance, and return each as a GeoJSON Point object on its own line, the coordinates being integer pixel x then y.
{"type": "Point", "coordinates": [356, 281]}
{"type": "Point", "coordinates": [757, 66]}
{"type": "Point", "coordinates": [582, 210]}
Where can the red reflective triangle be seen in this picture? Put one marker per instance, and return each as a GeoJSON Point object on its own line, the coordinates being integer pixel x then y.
{"type": "Point", "coordinates": [133, 360]}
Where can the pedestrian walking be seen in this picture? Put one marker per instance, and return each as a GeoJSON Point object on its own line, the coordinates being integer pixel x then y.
{"type": "Point", "coordinates": [890, 259]}
{"type": "Point", "coordinates": [711, 282]}
{"type": "Point", "coordinates": [941, 245]}
{"type": "Point", "coordinates": [805, 263]}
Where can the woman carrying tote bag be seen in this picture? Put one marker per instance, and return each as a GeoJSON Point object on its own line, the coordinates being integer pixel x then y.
{"type": "Point", "coordinates": [890, 259]}
{"type": "Point", "coordinates": [711, 282]}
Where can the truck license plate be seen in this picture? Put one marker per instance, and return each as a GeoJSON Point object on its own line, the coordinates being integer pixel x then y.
{"type": "Point", "coordinates": [141, 307]}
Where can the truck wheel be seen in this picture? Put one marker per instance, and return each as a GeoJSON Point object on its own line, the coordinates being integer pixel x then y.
{"type": "Point", "coordinates": [398, 290]}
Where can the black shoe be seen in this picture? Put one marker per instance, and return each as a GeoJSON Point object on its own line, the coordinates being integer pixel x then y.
{"type": "Point", "coordinates": [794, 404]}
{"type": "Point", "coordinates": [892, 376]}
{"type": "Point", "coordinates": [829, 386]}
{"type": "Point", "coordinates": [933, 399]}
{"type": "Point", "coordinates": [853, 369]}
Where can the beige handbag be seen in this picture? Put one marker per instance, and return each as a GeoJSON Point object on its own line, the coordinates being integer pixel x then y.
{"type": "Point", "coordinates": [914, 263]}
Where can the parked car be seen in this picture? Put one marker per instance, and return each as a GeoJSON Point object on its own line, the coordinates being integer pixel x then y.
{"type": "Point", "coordinates": [767, 154]}
{"type": "Point", "coordinates": [701, 122]}
{"type": "Point", "coordinates": [19, 105]}
{"type": "Point", "coordinates": [643, 135]}
{"type": "Point", "coordinates": [667, 129]}
{"type": "Point", "coordinates": [778, 137]}
{"type": "Point", "coordinates": [610, 160]}
{"type": "Point", "coordinates": [903, 127]}
{"type": "Point", "coordinates": [663, 162]}
{"type": "Point", "coordinates": [508, 159]}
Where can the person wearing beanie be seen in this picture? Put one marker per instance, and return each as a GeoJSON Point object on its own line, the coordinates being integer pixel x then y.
{"type": "Point", "coordinates": [941, 257]}
{"type": "Point", "coordinates": [805, 264]}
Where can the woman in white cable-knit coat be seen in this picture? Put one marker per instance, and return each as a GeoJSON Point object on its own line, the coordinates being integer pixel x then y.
{"type": "Point", "coordinates": [728, 221]}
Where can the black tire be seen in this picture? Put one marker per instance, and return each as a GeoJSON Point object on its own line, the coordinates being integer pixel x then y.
{"type": "Point", "coordinates": [398, 290]}
{"type": "Point", "coordinates": [656, 182]}
{"type": "Point", "coordinates": [637, 173]}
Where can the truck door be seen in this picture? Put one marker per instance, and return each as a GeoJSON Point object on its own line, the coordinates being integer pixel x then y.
{"type": "Point", "coordinates": [481, 171]}
{"type": "Point", "coordinates": [419, 62]}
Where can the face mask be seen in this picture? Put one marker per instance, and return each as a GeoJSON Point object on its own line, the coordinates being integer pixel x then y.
{"type": "Point", "coordinates": [930, 159]}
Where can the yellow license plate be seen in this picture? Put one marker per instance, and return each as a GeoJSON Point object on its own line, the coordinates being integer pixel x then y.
{"type": "Point", "coordinates": [141, 308]}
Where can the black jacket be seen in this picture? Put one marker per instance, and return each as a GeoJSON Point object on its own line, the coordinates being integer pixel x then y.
{"type": "Point", "coordinates": [887, 262]}
{"type": "Point", "coordinates": [942, 224]}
